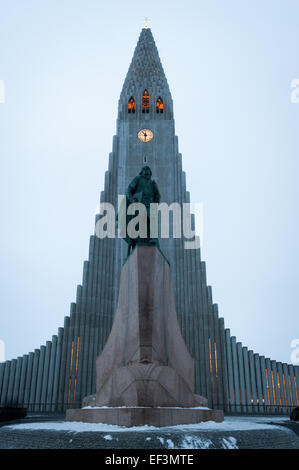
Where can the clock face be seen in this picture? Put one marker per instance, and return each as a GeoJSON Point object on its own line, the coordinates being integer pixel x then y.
{"type": "Point", "coordinates": [145, 135]}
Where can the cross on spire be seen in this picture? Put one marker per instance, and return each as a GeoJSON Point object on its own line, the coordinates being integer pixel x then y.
{"type": "Point", "coordinates": [146, 22]}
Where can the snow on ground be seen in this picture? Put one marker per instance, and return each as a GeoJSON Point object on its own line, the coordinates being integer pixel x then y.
{"type": "Point", "coordinates": [230, 423]}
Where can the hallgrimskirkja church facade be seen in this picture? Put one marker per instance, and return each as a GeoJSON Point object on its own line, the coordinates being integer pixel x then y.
{"type": "Point", "coordinates": [59, 374]}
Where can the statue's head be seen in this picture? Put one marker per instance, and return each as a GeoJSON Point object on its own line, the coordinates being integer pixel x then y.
{"type": "Point", "coordinates": [146, 172]}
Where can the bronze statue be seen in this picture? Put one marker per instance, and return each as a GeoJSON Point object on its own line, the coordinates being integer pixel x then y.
{"type": "Point", "coordinates": [144, 190]}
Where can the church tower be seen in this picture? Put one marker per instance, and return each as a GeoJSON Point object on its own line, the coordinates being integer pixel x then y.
{"type": "Point", "coordinates": [59, 374]}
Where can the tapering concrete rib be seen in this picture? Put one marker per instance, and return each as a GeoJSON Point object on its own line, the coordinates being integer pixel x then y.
{"type": "Point", "coordinates": [275, 385]}
{"type": "Point", "coordinates": [41, 362]}
{"type": "Point", "coordinates": [34, 379]}
{"type": "Point", "coordinates": [269, 385]}
{"type": "Point", "coordinates": [287, 387]}
{"type": "Point", "coordinates": [12, 374]}
{"type": "Point", "coordinates": [248, 388]}
{"type": "Point", "coordinates": [5, 383]}
{"type": "Point", "coordinates": [2, 368]}
{"type": "Point", "coordinates": [70, 352]}
{"type": "Point", "coordinates": [57, 366]}
{"type": "Point", "coordinates": [28, 379]}
{"type": "Point", "coordinates": [62, 372]}
{"type": "Point", "coordinates": [86, 311]}
{"type": "Point", "coordinates": [218, 359]}
{"type": "Point", "coordinates": [236, 374]}
{"type": "Point", "coordinates": [253, 382]}
{"type": "Point", "coordinates": [16, 385]}
{"type": "Point", "coordinates": [49, 389]}
{"type": "Point", "coordinates": [259, 385]}
{"type": "Point", "coordinates": [45, 376]}
{"type": "Point", "coordinates": [296, 370]}
{"type": "Point", "coordinates": [230, 375]}
{"type": "Point", "coordinates": [264, 384]}
{"type": "Point", "coordinates": [281, 386]}
{"type": "Point", "coordinates": [241, 377]}
{"type": "Point", "coordinates": [224, 364]}
{"type": "Point", "coordinates": [293, 389]}
{"type": "Point", "coordinates": [22, 380]}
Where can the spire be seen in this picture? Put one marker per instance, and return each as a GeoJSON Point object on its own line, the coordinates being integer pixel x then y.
{"type": "Point", "coordinates": [145, 71]}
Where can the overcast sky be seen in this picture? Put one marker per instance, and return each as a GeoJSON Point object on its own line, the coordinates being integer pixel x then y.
{"type": "Point", "coordinates": [229, 65]}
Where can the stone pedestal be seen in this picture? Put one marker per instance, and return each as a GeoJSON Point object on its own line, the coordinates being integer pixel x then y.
{"type": "Point", "coordinates": [145, 374]}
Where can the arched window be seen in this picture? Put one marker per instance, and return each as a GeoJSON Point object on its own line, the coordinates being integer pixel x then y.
{"type": "Point", "coordinates": [159, 105]}
{"type": "Point", "coordinates": [131, 105]}
{"type": "Point", "coordinates": [145, 102]}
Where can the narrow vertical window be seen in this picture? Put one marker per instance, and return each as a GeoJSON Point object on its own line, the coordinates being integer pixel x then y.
{"type": "Point", "coordinates": [145, 102]}
{"type": "Point", "coordinates": [159, 105]}
{"type": "Point", "coordinates": [131, 105]}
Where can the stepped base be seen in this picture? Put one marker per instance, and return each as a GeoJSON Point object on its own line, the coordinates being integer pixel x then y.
{"type": "Point", "coordinates": [141, 416]}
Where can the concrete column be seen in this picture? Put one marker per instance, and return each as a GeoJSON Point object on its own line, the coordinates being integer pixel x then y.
{"type": "Point", "coordinates": [293, 389]}
{"type": "Point", "coordinates": [269, 386]}
{"type": "Point", "coordinates": [34, 380]}
{"type": "Point", "coordinates": [264, 384]}
{"type": "Point", "coordinates": [203, 371]}
{"type": "Point", "coordinates": [11, 382]}
{"type": "Point", "coordinates": [296, 370]}
{"type": "Point", "coordinates": [259, 386]}
{"type": "Point", "coordinates": [63, 364]}
{"type": "Point", "coordinates": [49, 390]}
{"type": "Point", "coordinates": [287, 387]}
{"type": "Point", "coordinates": [211, 344]}
{"type": "Point", "coordinates": [88, 293]}
{"type": "Point", "coordinates": [230, 375]}
{"type": "Point", "coordinates": [28, 379]}
{"type": "Point", "coordinates": [241, 377]}
{"type": "Point", "coordinates": [281, 387]}
{"type": "Point", "coordinates": [218, 359]}
{"type": "Point", "coordinates": [23, 380]}
{"type": "Point", "coordinates": [16, 385]}
{"type": "Point", "coordinates": [5, 383]}
{"type": "Point", "coordinates": [198, 385]}
{"type": "Point", "coordinates": [275, 385]}
{"type": "Point", "coordinates": [40, 370]}
{"type": "Point", "coordinates": [206, 333]}
{"type": "Point", "coordinates": [45, 376]}
{"type": "Point", "coordinates": [76, 338]}
{"type": "Point", "coordinates": [70, 354]}
{"type": "Point", "coordinates": [236, 373]}
{"type": "Point", "coordinates": [224, 365]}
{"type": "Point", "coordinates": [81, 334]}
{"type": "Point", "coordinates": [58, 362]}
{"type": "Point", "coordinates": [2, 368]}
{"type": "Point", "coordinates": [250, 407]}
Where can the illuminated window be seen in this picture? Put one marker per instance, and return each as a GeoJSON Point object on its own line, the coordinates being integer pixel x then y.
{"type": "Point", "coordinates": [131, 105]}
{"type": "Point", "coordinates": [145, 102]}
{"type": "Point", "coordinates": [159, 105]}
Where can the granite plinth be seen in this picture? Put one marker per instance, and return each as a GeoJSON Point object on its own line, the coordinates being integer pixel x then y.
{"type": "Point", "coordinates": [145, 374]}
{"type": "Point", "coordinates": [157, 417]}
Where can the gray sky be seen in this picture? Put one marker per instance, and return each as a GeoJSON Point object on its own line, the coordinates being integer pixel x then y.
{"type": "Point", "coordinates": [229, 66]}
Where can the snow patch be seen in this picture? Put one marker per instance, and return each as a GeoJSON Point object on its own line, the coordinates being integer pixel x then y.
{"type": "Point", "coordinates": [229, 443]}
{"type": "Point", "coordinates": [195, 442]}
{"type": "Point", "coordinates": [229, 424]}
